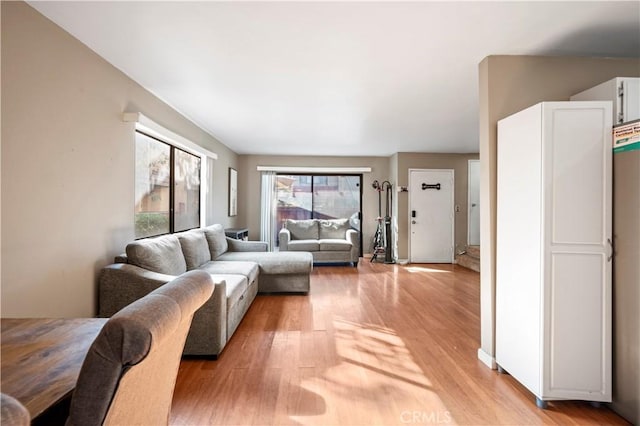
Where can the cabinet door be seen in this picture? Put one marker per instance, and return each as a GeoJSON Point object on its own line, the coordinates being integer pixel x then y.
{"type": "Point", "coordinates": [518, 247]}
{"type": "Point", "coordinates": [577, 295]}
{"type": "Point", "coordinates": [630, 100]}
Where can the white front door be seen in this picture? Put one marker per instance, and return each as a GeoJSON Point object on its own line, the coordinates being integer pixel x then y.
{"type": "Point", "coordinates": [431, 216]}
{"type": "Point", "coordinates": [473, 231]}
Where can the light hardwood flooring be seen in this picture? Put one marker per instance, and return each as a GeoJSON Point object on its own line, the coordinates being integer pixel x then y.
{"type": "Point", "coordinates": [377, 345]}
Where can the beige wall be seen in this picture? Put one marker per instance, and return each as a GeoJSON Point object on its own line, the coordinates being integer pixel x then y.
{"type": "Point", "coordinates": [249, 184]}
{"type": "Point", "coordinates": [67, 165]}
{"type": "Point", "coordinates": [459, 164]}
{"type": "Point", "coordinates": [508, 84]}
{"type": "Point", "coordinates": [0, 160]}
{"type": "Point", "coordinates": [394, 168]}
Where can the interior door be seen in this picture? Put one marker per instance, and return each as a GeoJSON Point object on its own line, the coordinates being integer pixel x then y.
{"type": "Point", "coordinates": [431, 216]}
{"type": "Point", "coordinates": [473, 230]}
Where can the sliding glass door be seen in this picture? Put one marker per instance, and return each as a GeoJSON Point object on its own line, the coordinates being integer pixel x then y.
{"type": "Point", "coordinates": [319, 197]}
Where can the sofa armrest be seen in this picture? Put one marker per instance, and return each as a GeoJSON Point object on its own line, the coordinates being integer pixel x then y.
{"type": "Point", "coordinates": [239, 245]}
{"type": "Point", "coordinates": [284, 236]}
{"type": "Point", "coordinates": [352, 236]}
{"type": "Point", "coordinates": [121, 284]}
{"type": "Point", "coordinates": [208, 332]}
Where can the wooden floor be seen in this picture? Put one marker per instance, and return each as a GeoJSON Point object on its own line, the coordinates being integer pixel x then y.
{"type": "Point", "coordinates": [377, 345]}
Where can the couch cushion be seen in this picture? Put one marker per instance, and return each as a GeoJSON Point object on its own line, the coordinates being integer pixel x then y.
{"type": "Point", "coordinates": [217, 240]}
{"type": "Point", "coordinates": [335, 245]}
{"type": "Point", "coordinates": [302, 229]}
{"type": "Point", "coordinates": [333, 228]}
{"type": "Point", "coordinates": [223, 267]}
{"type": "Point", "coordinates": [161, 254]}
{"type": "Point", "coordinates": [272, 263]}
{"type": "Point", "coordinates": [303, 245]}
{"type": "Point", "coordinates": [194, 248]}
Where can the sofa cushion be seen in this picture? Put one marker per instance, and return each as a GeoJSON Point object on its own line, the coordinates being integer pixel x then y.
{"type": "Point", "coordinates": [194, 248]}
{"type": "Point", "coordinates": [333, 228]}
{"type": "Point", "coordinates": [303, 245]}
{"type": "Point", "coordinates": [306, 229]}
{"type": "Point", "coordinates": [335, 245]}
{"type": "Point", "coordinates": [276, 263]}
{"type": "Point", "coordinates": [223, 267]}
{"type": "Point", "coordinates": [161, 254]}
{"type": "Point", "coordinates": [217, 240]}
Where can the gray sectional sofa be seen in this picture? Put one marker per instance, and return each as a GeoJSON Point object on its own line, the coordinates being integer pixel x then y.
{"type": "Point", "coordinates": [240, 269]}
{"type": "Point", "coordinates": [328, 240]}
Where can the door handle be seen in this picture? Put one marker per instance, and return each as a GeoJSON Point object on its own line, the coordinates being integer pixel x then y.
{"type": "Point", "coordinates": [612, 249]}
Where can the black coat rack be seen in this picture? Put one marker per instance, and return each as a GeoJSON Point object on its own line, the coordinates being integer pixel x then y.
{"type": "Point", "coordinates": [383, 239]}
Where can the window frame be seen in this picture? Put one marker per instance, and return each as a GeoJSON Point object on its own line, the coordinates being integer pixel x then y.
{"type": "Point", "coordinates": [201, 174]}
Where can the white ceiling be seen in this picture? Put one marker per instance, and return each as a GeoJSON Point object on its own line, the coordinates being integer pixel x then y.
{"type": "Point", "coordinates": [336, 78]}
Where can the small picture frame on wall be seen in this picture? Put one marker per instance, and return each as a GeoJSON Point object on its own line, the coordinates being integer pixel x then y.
{"type": "Point", "coordinates": [233, 192]}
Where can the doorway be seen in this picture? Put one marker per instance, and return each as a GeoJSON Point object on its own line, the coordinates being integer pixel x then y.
{"type": "Point", "coordinates": [431, 215]}
{"type": "Point", "coordinates": [473, 218]}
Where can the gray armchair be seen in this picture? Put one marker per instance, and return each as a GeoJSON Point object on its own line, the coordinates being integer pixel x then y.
{"type": "Point", "coordinates": [129, 373]}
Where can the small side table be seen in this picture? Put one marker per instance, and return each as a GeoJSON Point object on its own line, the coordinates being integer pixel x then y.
{"type": "Point", "coordinates": [237, 233]}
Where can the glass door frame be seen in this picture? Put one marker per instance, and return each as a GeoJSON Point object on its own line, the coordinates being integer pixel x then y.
{"type": "Point", "coordinates": [360, 182]}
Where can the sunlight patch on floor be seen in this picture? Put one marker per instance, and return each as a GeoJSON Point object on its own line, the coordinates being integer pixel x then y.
{"type": "Point", "coordinates": [375, 381]}
{"type": "Point", "coordinates": [424, 269]}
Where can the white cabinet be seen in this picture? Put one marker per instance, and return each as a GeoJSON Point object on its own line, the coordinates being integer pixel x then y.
{"type": "Point", "coordinates": [624, 92]}
{"type": "Point", "coordinates": [553, 265]}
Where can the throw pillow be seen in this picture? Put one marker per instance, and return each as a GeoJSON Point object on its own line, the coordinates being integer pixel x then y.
{"type": "Point", "coordinates": [306, 229]}
{"type": "Point", "coordinates": [195, 248]}
{"type": "Point", "coordinates": [161, 254]}
{"type": "Point", "coordinates": [334, 228]}
{"type": "Point", "coordinates": [217, 240]}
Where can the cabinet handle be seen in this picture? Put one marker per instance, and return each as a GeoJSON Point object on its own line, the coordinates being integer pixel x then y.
{"type": "Point", "coordinates": [612, 250]}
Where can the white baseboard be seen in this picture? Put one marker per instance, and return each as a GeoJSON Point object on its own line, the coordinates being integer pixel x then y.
{"type": "Point", "coordinates": [487, 359]}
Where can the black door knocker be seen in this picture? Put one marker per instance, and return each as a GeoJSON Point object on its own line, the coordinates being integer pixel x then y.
{"type": "Point", "coordinates": [431, 186]}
